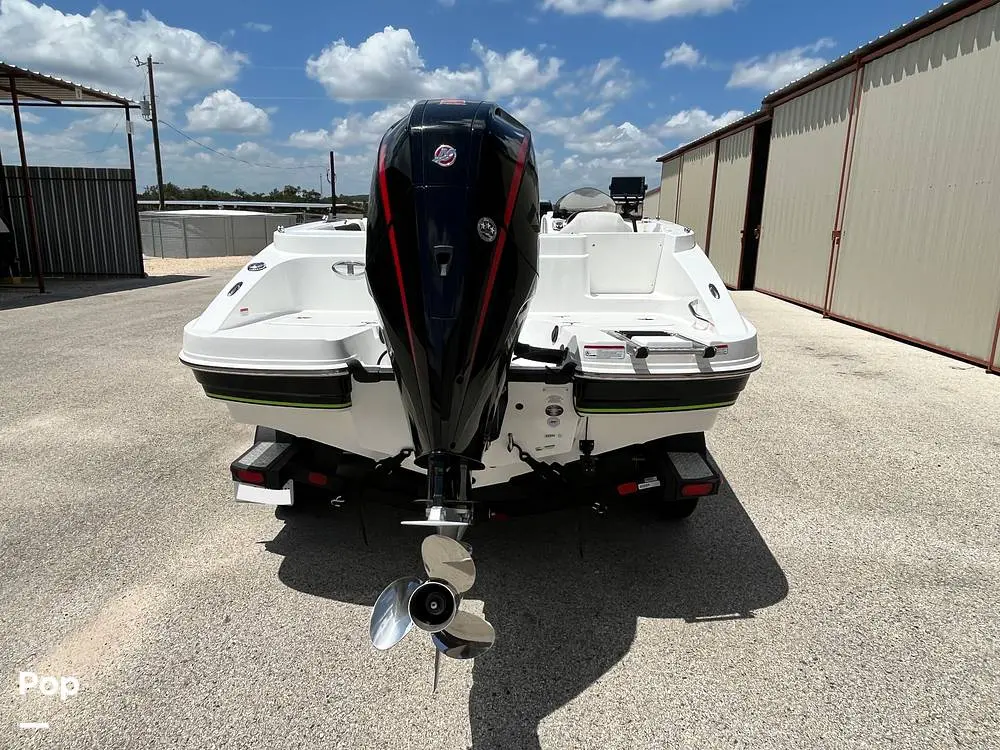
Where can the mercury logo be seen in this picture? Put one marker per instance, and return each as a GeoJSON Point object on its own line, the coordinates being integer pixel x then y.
{"type": "Point", "coordinates": [445, 155]}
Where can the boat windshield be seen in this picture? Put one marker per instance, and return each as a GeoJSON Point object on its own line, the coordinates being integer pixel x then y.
{"type": "Point", "coordinates": [583, 199]}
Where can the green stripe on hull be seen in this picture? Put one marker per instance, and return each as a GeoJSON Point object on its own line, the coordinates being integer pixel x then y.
{"type": "Point", "coordinates": [264, 402]}
{"type": "Point", "coordinates": [655, 409]}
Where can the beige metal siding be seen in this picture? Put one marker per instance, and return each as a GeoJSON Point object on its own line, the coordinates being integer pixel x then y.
{"type": "Point", "coordinates": [919, 254]}
{"type": "Point", "coordinates": [731, 185]}
{"type": "Point", "coordinates": [696, 190]}
{"type": "Point", "coordinates": [651, 204]}
{"type": "Point", "coordinates": [800, 200]}
{"type": "Point", "coordinates": [670, 174]}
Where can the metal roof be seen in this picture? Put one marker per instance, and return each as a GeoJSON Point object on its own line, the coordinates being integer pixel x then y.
{"type": "Point", "coordinates": [740, 124]}
{"type": "Point", "coordinates": [942, 15]}
{"type": "Point", "coordinates": [35, 87]}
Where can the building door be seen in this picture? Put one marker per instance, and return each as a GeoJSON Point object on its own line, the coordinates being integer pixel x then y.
{"type": "Point", "coordinates": [755, 204]}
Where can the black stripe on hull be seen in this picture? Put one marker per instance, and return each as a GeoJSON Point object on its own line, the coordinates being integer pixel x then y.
{"type": "Point", "coordinates": [647, 396]}
{"type": "Point", "coordinates": [298, 391]}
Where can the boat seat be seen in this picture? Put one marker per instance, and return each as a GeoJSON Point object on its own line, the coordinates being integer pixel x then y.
{"type": "Point", "coordinates": [596, 221]}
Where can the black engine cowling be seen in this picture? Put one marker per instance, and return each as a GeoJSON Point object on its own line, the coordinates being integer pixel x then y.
{"type": "Point", "coordinates": [452, 255]}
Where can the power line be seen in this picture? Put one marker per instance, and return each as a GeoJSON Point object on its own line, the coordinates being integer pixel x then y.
{"type": "Point", "coordinates": [107, 140]}
{"type": "Point", "coordinates": [236, 158]}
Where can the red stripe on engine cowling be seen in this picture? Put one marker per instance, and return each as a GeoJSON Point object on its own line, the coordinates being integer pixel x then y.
{"type": "Point", "coordinates": [384, 190]}
{"type": "Point", "coordinates": [515, 187]}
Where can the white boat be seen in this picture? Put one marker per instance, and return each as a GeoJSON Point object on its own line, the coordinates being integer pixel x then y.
{"type": "Point", "coordinates": [472, 339]}
{"type": "Point", "coordinates": [292, 343]}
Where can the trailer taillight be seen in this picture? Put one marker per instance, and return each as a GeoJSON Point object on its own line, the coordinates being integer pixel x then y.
{"type": "Point", "coordinates": [249, 476]}
{"type": "Point", "coordinates": [697, 489]}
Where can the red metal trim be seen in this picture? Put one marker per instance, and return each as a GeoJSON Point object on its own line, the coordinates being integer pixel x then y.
{"type": "Point", "coordinates": [793, 300]}
{"type": "Point", "coordinates": [711, 199]}
{"type": "Point", "coordinates": [906, 339]}
{"type": "Point", "coordinates": [384, 190]}
{"type": "Point", "coordinates": [515, 188]}
{"type": "Point", "coordinates": [853, 108]}
{"type": "Point", "coordinates": [993, 352]}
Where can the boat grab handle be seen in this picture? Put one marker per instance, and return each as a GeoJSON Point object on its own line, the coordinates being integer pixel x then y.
{"type": "Point", "coordinates": [640, 351]}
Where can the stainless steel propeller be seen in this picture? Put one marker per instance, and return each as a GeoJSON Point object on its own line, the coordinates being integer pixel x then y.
{"type": "Point", "coordinates": [432, 604]}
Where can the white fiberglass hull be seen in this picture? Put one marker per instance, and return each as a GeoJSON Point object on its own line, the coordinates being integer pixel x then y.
{"type": "Point", "coordinates": [292, 342]}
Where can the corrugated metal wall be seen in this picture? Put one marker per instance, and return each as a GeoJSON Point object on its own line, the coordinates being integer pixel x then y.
{"type": "Point", "coordinates": [696, 190]}
{"type": "Point", "coordinates": [86, 220]}
{"type": "Point", "coordinates": [800, 201]}
{"type": "Point", "coordinates": [731, 185]}
{"type": "Point", "coordinates": [651, 205]}
{"type": "Point", "coordinates": [201, 235]}
{"type": "Point", "coordinates": [670, 174]}
{"type": "Point", "coordinates": [920, 254]}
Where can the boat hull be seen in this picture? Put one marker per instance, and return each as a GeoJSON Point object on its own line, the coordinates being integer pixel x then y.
{"type": "Point", "coordinates": [549, 418]}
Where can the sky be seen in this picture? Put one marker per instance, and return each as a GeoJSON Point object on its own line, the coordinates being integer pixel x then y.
{"type": "Point", "coordinates": [605, 86]}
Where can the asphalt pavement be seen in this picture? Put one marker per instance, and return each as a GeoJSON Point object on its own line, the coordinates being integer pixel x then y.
{"type": "Point", "coordinates": [841, 593]}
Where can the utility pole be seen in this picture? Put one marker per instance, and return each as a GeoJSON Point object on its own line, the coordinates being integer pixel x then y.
{"type": "Point", "coordinates": [333, 187]}
{"type": "Point", "coordinates": [156, 129]}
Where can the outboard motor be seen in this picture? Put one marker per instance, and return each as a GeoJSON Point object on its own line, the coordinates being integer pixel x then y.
{"type": "Point", "coordinates": [452, 255]}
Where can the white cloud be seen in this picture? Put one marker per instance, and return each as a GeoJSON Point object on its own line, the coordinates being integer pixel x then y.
{"type": "Point", "coordinates": [225, 111]}
{"type": "Point", "coordinates": [447, 3]}
{"type": "Point", "coordinates": [683, 54]}
{"type": "Point", "coordinates": [614, 140]}
{"type": "Point", "coordinates": [261, 27]}
{"type": "Point", "coordinates": [604, 68]}
{"type": "Point", "coordinates": [353, 130]}
{"type": "Point", "coordinates": [647, 10]}
{"type": "Point", "coordinates": [574, 171]}
{"type": "Point", "coordinates": [386, 65]}
{"type": "Point", "coordinates": [531, 111]}
{"type": "Point", "coordinates": [610, 80]}
{"type": "Point", "coordinates": [778, 68]}
{"type": "Point", "coordinates": [98, 121]}
{"type": "Point", "coordinates": [568, 125]}
{"type": "Point", "coordinates": [97, 49]}
{"type": "Point", "coordinates": [27, 117]}
{"type": "Point", "coordinates": [693, 123]}
{"type": "Point", "coordinates": [517, 71]}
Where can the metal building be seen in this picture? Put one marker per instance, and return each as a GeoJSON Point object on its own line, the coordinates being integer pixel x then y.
{"type": "Point", "coordinates": [872, 185]}
{"type": "Point", "coordinates": [651, 203]}
{"type": "Point", "coordinates": [65, 220]}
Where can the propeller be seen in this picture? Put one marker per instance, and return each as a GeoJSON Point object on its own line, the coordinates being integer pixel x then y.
{"type": "Point", "coordinates": [432, 605]}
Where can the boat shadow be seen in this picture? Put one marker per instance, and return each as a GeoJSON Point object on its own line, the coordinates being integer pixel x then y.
{"type": "Point", "coordinates": [562, 619]}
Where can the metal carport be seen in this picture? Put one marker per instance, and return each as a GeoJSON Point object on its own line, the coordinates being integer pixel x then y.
{"type": "Point", "coordinates": [20, 87]}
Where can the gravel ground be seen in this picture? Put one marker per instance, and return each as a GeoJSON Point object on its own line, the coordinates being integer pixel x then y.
{"type": "Point", "coordinates": [180, 266]}
{"type": "Point", "coordinates": [841, 593]}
